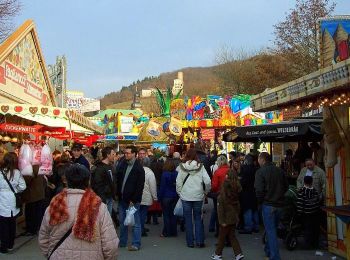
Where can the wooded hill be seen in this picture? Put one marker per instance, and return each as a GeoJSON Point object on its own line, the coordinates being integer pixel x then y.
{"type": "Point", "coordinates": [249, 76]}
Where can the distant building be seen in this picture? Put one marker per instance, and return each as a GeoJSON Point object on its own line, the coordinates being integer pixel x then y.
{"type": "Point", "coordinates": [76, 100]}
{"type": "Point", "coordinates": [147, 92]}
{"type": "Point", "coordinates": [178, 83]}
{"type": "Point", "coordinates": [58, 78]}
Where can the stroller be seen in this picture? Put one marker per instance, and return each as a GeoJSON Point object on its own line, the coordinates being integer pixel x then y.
{"type": "Point", "coordinates": [290, 227]}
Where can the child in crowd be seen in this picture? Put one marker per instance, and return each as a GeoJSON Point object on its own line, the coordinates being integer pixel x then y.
{"type": "Point", "coordinates": [308, 207]}
{"type": "Point", "coordinates": [228, 210]}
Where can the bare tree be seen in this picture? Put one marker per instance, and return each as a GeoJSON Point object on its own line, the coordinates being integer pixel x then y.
{"type": "Point", "coordinates": [235, 71]}
{"type": "Point", "coordinates": [296, 36]}
{"type": "Point", "coordinates": [8, 10]}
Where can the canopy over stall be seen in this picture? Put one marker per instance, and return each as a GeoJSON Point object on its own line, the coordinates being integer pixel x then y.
{"type": "Point", "coordinates": [52, 117]}
{"type": "Point", "coordinates": [291, 131]}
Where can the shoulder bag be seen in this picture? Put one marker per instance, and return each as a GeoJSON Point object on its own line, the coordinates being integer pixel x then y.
{"type": "Point", "coordinates": [61, 241]}
{"type": "Point", "coordinates": [19, 202]}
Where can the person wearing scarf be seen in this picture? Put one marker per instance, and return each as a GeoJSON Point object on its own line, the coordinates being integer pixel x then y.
{"type": "Point", "coordinates": [93, 235]}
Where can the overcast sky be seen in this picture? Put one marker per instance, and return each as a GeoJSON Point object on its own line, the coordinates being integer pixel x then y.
{"type": "Point", "coordinates": [111, 43]}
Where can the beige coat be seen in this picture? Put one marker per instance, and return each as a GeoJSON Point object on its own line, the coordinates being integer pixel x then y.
{"type": "Point", "coordinates": [150, 189]}
{"type": "Point", "coordinates": [104, 247]}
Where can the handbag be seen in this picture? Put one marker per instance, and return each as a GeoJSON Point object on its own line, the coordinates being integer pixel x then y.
{"type": "Point", "coordinates": [19, 202]}
{"type": "Point", "coordinates": [178, 210]}
{"type": "Point", "coordinates": [155, 207]}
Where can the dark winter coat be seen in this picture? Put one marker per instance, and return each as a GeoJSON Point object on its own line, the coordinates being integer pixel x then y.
{"type": "Point", "coordinates": [83, 161]}
{"type": "Point", "coordinates": [248, 196]}
{"type": "Point", "coordinates": [203, 158]}
{"type": "Point", "coordinates": [168, 185]}
{"type": "Point", "coordinates": [270, 185]}
{"type": "Point", "coordinates": [228, 211]}
{"type": "Point", "coordinates": [133, 188]}
{"type": "Point", "coordinates": [103, 181]}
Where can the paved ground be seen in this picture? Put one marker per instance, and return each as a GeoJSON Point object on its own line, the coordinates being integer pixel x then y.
{"type": "Point", "coordinates": [157, 248]}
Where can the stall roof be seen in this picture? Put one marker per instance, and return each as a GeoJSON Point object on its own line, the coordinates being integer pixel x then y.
{"type": "Point", "coordinates": [125, 112]}
{"type": "Point", "coordinates": [51, 116]}
{"type": "Point", "coordinates": [308, 129]}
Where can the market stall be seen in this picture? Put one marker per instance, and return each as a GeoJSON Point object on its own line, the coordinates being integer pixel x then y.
{"type": "Point", "coordinates": [26, 95]}
{"type": "Point", "coordinates": [327, 88]}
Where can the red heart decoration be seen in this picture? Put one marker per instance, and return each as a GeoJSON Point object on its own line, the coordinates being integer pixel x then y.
{"type": "Point", "coordinates": [18, 109]}
{"type": "Point", "coordinates": [56, 112]}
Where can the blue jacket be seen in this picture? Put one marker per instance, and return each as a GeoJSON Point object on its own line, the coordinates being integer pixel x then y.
{"type": "Point", "coordinates": [168, 185]}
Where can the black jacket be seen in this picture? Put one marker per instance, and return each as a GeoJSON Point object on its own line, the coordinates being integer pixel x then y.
{"type": "Point", "coordinates": [203, 158]}
{"type": "Point", "coordinates": [83, 161]}
{"type": "Point", "coordinates": [134, 184]}
{"type": "Point", "coordinates": [270, 185]}
{"type": "Point", "coordinates": [247, 195]}
{"type": "Point", "coordinates": [103, 181]}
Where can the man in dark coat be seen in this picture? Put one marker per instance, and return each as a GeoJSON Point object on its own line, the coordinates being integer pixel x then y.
{"type": "Point", "coordinates": [248, 200]}
{"type": "Point", "coordinates": [78, 157]}
{"type": "Point", "coordinates": [130, 183]}
{"type": "Point", "coordinates": [103, 179]}
{"type": "Point", "coordinates": [270, 186]}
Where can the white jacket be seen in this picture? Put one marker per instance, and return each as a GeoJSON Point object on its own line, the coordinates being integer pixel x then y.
{"type": "Point", "coordinates": [193, 189]}
{"type": "Point", "coordinates": [150, 189]}
{"type": "Point", "coordinates": [7, 198]}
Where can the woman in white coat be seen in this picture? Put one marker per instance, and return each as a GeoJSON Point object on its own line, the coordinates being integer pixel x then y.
{"type": "Point", "coordinates": [149, 194]}
{"type": "Point", "coordinates": [8, 209]}
{"type": "Point", "coordinates": [192, 183]}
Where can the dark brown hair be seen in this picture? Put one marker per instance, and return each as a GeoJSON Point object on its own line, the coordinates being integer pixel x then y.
{"type": "Point", "coordinates": [191, 155]}
{"type": "Point", "coordinates": [65, 158]}
{"type": "Point", "coordinates": [10, 163]}
{"type": "Point", "coordinates": [169, 165]}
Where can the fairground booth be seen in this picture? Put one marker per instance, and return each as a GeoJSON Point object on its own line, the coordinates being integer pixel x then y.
{"type": "Point", "coordinates": [185, 121]}
{"type": "Point", "coordinates": [27, 100]}
{"type": "Point", "coordinates": [326, 89]}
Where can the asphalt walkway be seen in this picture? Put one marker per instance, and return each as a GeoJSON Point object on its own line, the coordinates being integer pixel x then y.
{"type": "Point", "coordinates": [155, 247]}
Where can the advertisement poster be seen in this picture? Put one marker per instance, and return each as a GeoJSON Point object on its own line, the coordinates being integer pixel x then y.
{"type": "Point", "coordinates": [126, 124]}
{"type": "Point", "coordinates": [334, 40]}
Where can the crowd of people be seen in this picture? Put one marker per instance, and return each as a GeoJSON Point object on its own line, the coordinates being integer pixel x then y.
{"type": "Point", "coordinates": [75, 210]}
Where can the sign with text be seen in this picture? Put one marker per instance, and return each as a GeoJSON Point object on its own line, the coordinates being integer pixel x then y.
{"type": "Point", "coordinates": [20, 128]}
{"type": "Point", "coordinates": [126, 124]}
{"type": "Point", "coordinates": [208, 134]}
{"type": "Point", "coordinates": [21, 74]}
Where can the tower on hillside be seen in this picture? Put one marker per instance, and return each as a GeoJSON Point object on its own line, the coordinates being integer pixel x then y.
{"type": "Point", "coordinates": [136, 104]}
{"type": "Point", "coordinates": [178, 83]}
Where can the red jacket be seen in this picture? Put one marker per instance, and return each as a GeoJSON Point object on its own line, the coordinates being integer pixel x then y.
{"type": "Point", "coordinates": [219, 177]}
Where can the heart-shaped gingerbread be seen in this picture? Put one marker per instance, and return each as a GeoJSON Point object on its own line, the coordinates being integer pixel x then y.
{"type": "Point", "coordinates": [4, 109]}
{"type": "Point", "coordinates": [44, 110]}
{"type": "Point", "coordinates": [33, 110]}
